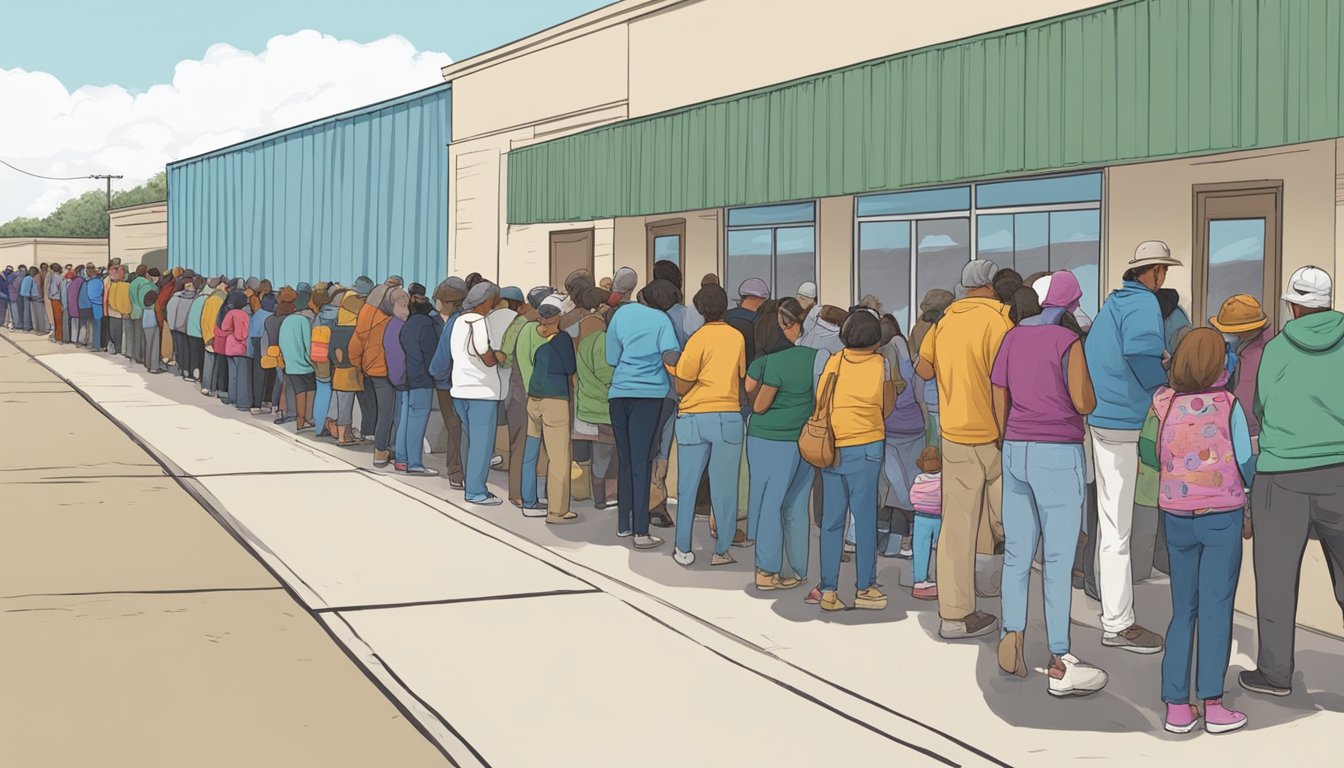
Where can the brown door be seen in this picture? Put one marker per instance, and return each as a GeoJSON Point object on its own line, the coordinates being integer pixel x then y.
{"type": "Point", "coordinates": [1238, 240]}
{"type": "Point", "coordinates": [571, 250]}
{"type": "Point", "coordinates": [666, 241]}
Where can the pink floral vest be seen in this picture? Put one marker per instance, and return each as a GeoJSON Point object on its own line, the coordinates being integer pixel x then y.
{"type": "Point", "coordinates": [1198, 463]}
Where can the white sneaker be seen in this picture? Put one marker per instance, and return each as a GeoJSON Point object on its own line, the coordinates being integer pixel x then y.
{"type": "Point", "coordinates": [683, 558]}
{"type": "Point", "coordinates": [1070, 677]}
{"type": "Point", "coordinates": [496, 461]}
{"type": "Point", "coordinates": [647, 542]}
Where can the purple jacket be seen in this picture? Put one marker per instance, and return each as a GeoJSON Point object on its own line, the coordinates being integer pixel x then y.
{"type": "Point", "coordinates": [12, 290]}
{"type": "Point", "coordinates": [396, 356]}
{"type": "Point", "coordinates": [72, 292]}
{"type": "Point", "coordinates": [906, 419]}
{"type": "Point", "coordinates": [1248, 368]}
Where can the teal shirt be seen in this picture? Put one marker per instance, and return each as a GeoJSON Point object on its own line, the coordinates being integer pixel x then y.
{"type": "Point", "coordinates": [1298, 396]}
{"type": "Point", "coordinates": [296, 337]}
{"type": "Point", "coordinates": [194, 316]}
{"type": "Point", "coordinates": [790, 372]}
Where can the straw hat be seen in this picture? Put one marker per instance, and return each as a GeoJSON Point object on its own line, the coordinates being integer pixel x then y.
{"type": "Point", "coordinates": [1239, 314]}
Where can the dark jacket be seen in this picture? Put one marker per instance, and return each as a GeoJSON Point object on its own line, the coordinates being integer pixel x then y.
{"type": "Point", "coordinates": [419, 340]}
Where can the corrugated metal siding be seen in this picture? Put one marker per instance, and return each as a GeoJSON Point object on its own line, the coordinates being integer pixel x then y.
{"type": "Point", "coordinates": [1129, 81]}
{"type": "Point", "coordinates": [364, 193]}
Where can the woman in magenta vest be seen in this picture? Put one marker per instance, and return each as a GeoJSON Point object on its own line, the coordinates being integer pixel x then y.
{"type": "Point", "coordinates": [1196, 436]}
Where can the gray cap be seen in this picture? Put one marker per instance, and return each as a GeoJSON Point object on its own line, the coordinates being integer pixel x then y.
{"type": "Point", "coordinates": [511, 293]}
{"type": "Point", "coordinates": [538, 295]}
{"type": "Point", "coordinates": [808, 290]}
{"type": "Point", "coordinates": [303, 288]}
{"type": "Point", "coordinates": [978, 274]}
{"type": "Point", "coordinates": [362, 286]}
{"type": "Point", "coordinates": [394, 280]}
{"type": "Point", "coordinates": [479, 294]}
{"type": "Point", "coordinates": [624, 281]}
{"type": "Point", "coordinates": [754, 287]}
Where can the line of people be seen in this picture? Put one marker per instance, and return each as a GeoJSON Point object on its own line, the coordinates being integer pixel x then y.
{"type": "Point", "coordinates": [1008, 429]}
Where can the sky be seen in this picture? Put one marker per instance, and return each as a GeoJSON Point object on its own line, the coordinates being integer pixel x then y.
{"type": "Point", "coordinates": [125, 87]}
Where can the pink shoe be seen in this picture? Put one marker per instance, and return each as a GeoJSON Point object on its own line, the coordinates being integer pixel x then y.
{"type": "Point", "coordinates": [813, 597]}
{"type": "Point", "coordinates": [1181, 718]}
{"type": "Point", "coordinates": [925, 590]}
{"type": "Point", "coordinates": [1220, 719]}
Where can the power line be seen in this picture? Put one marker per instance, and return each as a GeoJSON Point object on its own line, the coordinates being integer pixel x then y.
{"type": "Point", "coordinates": [40, 176]}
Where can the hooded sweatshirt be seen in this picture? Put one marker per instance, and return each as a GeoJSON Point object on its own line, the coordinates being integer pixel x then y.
{"type": "Point", "coordinates": [419, 339]}
{"type": "Point", "coordinates": [210, 316]}
{"type": "Point", "coordinates": [179, 307]}
{"type": "Point", "coordinates": [399, 303]}
{"type": "Point", "coordinates": [366, 348]}
{"type": "Point", "coordinates": [1124, 357]}
{"type": "Point", "coordinates": [194, 314]}
{"type": "Point", "coordinates": [73, 289]}
{"type": "Point", "coordinates": [1299, 400]}
{"type": "Point", "coordinates": [961, 347]}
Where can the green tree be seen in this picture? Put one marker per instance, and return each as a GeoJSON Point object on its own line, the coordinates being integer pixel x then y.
{"type": "Point", "coordinates": [86, 215]}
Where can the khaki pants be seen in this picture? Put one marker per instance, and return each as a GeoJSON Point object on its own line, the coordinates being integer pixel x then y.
{"type": "Point", "coordinates": [972, 496]}
{"type": "Point", "coordinates": [548, 420]}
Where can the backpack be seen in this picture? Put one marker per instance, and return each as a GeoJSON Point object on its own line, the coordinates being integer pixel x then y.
{"type": "Point", "coordinates": [320, 346]}
{"type": "Point", "coordinates": [272, 358]}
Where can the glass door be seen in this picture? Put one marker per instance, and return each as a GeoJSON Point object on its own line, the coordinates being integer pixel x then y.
{"type": "Point", "coordinates": [1237, 239]}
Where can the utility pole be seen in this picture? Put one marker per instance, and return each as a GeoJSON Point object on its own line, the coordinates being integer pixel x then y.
{"type": "Point", "coordinates": [109, 179]}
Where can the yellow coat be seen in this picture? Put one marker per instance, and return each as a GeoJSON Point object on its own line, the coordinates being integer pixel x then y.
{"type": "Point", "coordinates": [210, 317]}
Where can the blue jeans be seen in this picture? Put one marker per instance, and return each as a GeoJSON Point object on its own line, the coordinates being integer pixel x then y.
{"type": "Point", "coordinates": [850, 487]}
{"type": "Point", "coordinates": [634, 422]}
{"type": "Point", "coordinates": [412, 423]}
{"type": "Point", "coordinates": [1205, 554]}
{"type": "Point", "coordinates": [712, 440]}
{"type": "Point", "coordinates": [479, 419]}
{"type": "Point", "coordinates": [781, 486]}
{"type": "Point", "coordinates": [240, 390]}
{"type": "Point", "coordinates": [322, 404]}
{"type": "Point", "coordinates": [925, 534]}
{"type": "Point", "coordinates": [1042, 503]}
{"type": "Point", "coordinates": [531, 455]}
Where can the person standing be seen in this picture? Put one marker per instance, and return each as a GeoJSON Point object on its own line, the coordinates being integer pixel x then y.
{"type": "Point", "coordinates": [74, 288]}
{"type": "Point", "coordinates": [477, 389]}
{"type": "Point", "coordinates": [17, 304]}
{"type": "Point", "coordinates": [709, 377]}
{"type": "Point", "coordinates": [592, 408]}
{"type": "Point", "coordinates": [325, 302]}
{"type": "Point", "coordinates": [638, 336]}
{"type": "Point", "coordinates": [37, 309]}
{"type": "Point", "coordinates": [904, 441]}
{"type": "Point", "coordinates": [118, 308]}
{"type": "Point", "coordinates": [234, 330]}
{"type": "Point", "coordinates": [346, 381]}
{"type": "Point", "coordinates": [448, 296]}
{"type": "Point", "coordinates": [178, 307]}
{"type": "Point", "coordinates": [1195, 435]}
{"type": "Point", "coordinates": [400, 302]}
{"type": "Point", "coordinates": [782, 389]}
{"type": "Point", "coordinates": [55, 278]}
{"type": "Point", "coordinates": [368, 354]}
{"type": "Point", "coordinates": [498, 323]}
{"type": "Point", "coordinates": [419, 339]}
{"type": "Point", "coordinates": [1246, 333]}
{"type": "Point", "coordinates": [296, 342]}
{"type": "Point", "coordinates": [195, 338]}
{"type": "Point", "coordinates": [1299, 477]}
{"type": "Point", "coordinates": [1042, 393]}
{"type": "Point", "coordinates": [6, 316]}
{"type": "Point", "coordinates": [548, 408]}
{"type": "Point", "coordinates": [1126, 351]}
{"type": "Point", "coordinates": [515, 406]}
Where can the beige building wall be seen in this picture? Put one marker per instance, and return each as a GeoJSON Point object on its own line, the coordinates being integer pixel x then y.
{"type": "Point", "coordinates": [138, 230]}
{"type": "Point", "coordinates": [702, 250]}
{"type": "Point", "coordinates": [61, 250]}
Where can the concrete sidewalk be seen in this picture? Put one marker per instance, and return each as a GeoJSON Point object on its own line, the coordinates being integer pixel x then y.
{"type": "Point", "coordinates": [360, 549]}
{"type": "Point", "coordinates": [136, 631]}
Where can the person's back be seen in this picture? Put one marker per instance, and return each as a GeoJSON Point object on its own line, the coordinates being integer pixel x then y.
{"type": "Point", "coordinates": [1299, 399]}
{"type": "Point", "coordinates": [525, 346]}
{"type": "Point", "coordinates": [636, 340]}
{"type": "Point", "coordinates": [1128, 325]}
{"type": "Point", "coordinates": [715, 360]}
{"type": "Point", "coordinates": [856, 408]}
{"type": "Point", "coordinates": [591, 403]}
{"type": "Point", "coordinates": [961, 348]}
{"type": "Point", "coordinates": [1031, 368]}
{"type": "Point", "coordinates": [295, 339]}
{"type": "Point", "coordinates": [194, 312]}
{"type": "Point", "coordinates": [419, 340]}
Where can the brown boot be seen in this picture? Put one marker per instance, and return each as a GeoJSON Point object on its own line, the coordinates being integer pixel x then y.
{"type": "Point", "coordinates": [381, 458]}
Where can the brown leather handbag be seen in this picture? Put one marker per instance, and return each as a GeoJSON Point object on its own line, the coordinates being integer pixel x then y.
{"type": "Point", "coordinates": [817, 441]}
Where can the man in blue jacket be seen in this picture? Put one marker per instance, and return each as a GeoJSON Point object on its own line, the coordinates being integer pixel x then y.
{"type": "Point", "coordinates": [1126, 358]}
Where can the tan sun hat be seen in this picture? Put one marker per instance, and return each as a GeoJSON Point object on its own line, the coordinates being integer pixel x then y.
{"type": "Point", "coordinates": [1153, 253]}
{"type": "Point", "coordinates": [1239, 314]}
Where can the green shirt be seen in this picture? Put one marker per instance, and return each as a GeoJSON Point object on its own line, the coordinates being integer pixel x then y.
{"type": "Point", "coordinates": [591, 404]}
{"type": "Point", "coordinates": [1145, 490]}
{"type": "Point", "coordinates": [509, 344]}
{"type": "Point", "coordinates": [790, 371]}
{"type": "Point", "coordinates": [525, 352]}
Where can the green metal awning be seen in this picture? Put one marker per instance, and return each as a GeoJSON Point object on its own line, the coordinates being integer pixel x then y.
{"type": "Point", "coordinates": [1129, 81]}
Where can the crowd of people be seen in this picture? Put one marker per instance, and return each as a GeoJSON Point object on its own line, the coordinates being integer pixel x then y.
{"type": "Point", "coordinates": [1008, 428]}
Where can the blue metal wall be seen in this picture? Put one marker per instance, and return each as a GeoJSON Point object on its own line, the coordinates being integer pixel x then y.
{"type": "Point", "coordinates": [360, 193]}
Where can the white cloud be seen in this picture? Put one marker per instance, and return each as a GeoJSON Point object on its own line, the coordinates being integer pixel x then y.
{"type": "Point", "coordinates": [227, 96]}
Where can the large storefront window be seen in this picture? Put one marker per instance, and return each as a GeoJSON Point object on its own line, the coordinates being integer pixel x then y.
{"type": "Point", "coordinates": [912, 242]}
{"type": "Point", "coordinates": [777, 243]}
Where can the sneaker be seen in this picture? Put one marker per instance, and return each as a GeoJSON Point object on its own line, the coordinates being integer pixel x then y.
{"type": "Point", "coordinates": [568, 517]}
{"type": "Point", "coordinates": [457, 485]}
{"type": "Point", "coordinates": [382, 459]}
{"type": "Point", "coordinates": [624, 534]}
{"type": "Point", "coordinates": [906, 552]}
{"type": "Point", "coordinates": [496, 461]}
{"type": "Point", "coordinates": [813, 597]}
{"type": "Point", "coordinates": [830, 601]}
{"type": "Point", "coordinates": [683, 558]}
{"type": "Point", "coordinates": [422, 472]}
{"type": "Point", "coordinates": [1010, 654]}
{"type": "Point", "coordinates": [533, 510]}
{"type": "Point", "coordinates": [1181, 718]}
{"type": "Point", "coordinates": [975, 625]}
{"type": "Point", "coordinates": [1254, 681]}
{"type": "Point", "coordinates": [787, 582]}
{"type": "Point", "coordinates": [766, 582]}
{"type": "Point", "coordinates": [647, 542]}
{"type": "Point", "coordinates": [870, 599]}
{"type": "Point", "coordinates": [1071, 677]}
{"type": "Point", "coordinates": [1136, 639]}
{"type": "Point", "coordinates": [254, 411]}
{"type": "Point", "coordinates": [925, 590]}
{"type": "Point", "coordinates": [851, 548]}
{"type": "Point", "coordinates": [488, 500]}
{"type": "Point", "coordinates": [399, 467]}
{"type": "Point", "coordinates": [725, 559]}
{"type": "Point", "coordinates": [1220, 719]}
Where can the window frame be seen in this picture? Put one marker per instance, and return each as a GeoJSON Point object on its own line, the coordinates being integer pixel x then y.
{"type": "Point", "coordinates": [774, 241]}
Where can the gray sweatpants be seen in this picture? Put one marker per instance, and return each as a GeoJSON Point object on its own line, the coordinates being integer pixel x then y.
{"type": "Point", "coordinates": [1304, 500]}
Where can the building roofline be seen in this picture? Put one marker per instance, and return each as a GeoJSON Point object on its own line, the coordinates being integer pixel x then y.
{"type": "Point", "coordinates": [611, 15]}
{"type": "Point", "coordinates": [136, 207]}
{"type": "Point", "coordinates": [9, 242]}
{"type": "Point", "coordinates": [321, 121]}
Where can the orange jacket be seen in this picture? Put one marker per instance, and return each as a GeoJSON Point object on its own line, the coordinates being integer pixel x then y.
{"type": "Point", "coordinates": [366, 348]}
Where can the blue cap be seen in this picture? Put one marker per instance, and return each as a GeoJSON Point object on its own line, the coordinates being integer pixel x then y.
{"type": "Point", "coordinates": [511, 293]}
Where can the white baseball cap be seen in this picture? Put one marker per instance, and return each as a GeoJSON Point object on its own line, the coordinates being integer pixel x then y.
{"type": "Point", "coordinates": [1309, 287]}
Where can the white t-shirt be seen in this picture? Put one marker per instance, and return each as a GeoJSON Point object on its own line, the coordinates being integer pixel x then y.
{"type": "Point", "coordinates": [472, 378]}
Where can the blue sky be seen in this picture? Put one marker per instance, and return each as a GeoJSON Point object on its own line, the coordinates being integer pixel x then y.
{"type": "Point", "coordinates": [136, 43]}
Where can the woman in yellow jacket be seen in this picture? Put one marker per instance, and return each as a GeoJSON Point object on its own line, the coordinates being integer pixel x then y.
{"type": "Point", "coordinates": [212, 377]}
{"type": "Point", "coordinates": [119, 310]}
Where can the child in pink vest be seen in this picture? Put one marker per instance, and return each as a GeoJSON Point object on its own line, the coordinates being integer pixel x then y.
{"type": "Point", "coordinates": [1197, 438]}
{"type": "Point", "coordinates": [926, 496]}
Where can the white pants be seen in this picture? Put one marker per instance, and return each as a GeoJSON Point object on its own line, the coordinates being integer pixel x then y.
{"type": "Point", "coordinates": [1116, 454]}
